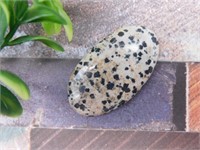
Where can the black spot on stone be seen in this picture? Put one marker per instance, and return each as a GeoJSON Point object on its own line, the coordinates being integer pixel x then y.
{"type": "Point", "coordinates": [82, 107]}
{"type": "Point", "coordinates": [121, 103]}
{"type": "Point", "coordinates": [127, 56]}
{"type": "Point", "coordinates": [97, 49]}
{"type": "Point", "coordinates": [80, 63]}
{"type": "Point", "coordinates": [84, 101]}
{"type": "Point", "coordinates": [151, 34]}
{"type": "Point", "coordinates": [145, 51]}
{"type": "Point", "coordinates": [144, 44]}
{"type": "Point", "coordinates": [97, 74]}
{"type": "Point", "coordinates": [102, 81]}
{"type": "Point", "coordinates": [143, 27]}
{"type": "Point", "coordinates": [105, 109]}
{"type": "Point", "coordinates": [88, 74]}
{"type": "Point", "coordinates": [76, 105]}
{"type": "Point", "coordinates": [141, 74]}
{"type": "Point", "coordinates": [127, 77]}
{"type": "Point", "coordinates": [70, 91]}
{"type": "Point", "coordinates": [139, 58]}
{"type": "Point", "coordinates": [116, 77]}
{"type": "Point", "coordinates": [140, 54]}
{"type": "Point", "coordinates": [75, 72]}
{"type": "Point", "coordinates": [90, 59]}
{"type": "Point", "coordinates": [148, 62]}
{"type": "Point", "coordinates": [104, 71]}
{"type": "Point", "coordinates": [149, 70]}
{"type": "Point", "coordinates": [121, 44]}
{"type": "Point", "coordinates": [91, 82]}
{"type": "Point", "coordinates": [104, 102]}
{"type": "Point", "coordinates": [93, 49]}
{"type": "Point", "coordinates": [142, 83]}
{"type": "Point", "coordinates": [87, 90]}
{"type": "Point", "coordinates": [120, 95]}
{"type": "Point", "coordinates": [134, 90]}
{"type": "Point", "coordinates": [133, 80]}
{"type": "Point", "coordinates": [110, 85]}
{"type": "Point", "coordinates": [112, 56]}
{"type": "Point", "coordinates": [125, 88]}
{"type": "Point", "coordinates": [107, 94]}
{"type": "Point", "coordinates": [69, 83]}
{"type": "Point", "coordinates": [120, 33]}
{"type": "Point", "coordinates": [135, 54]}
{"type": "Point", "coordinates": [154, 40]}
{"type": "Point", "coordinates": [125, 30]}
{"type": "Point", "coordinates": [113, 40]}
{"type": "Point", "coordinates": [96, 67]}
{"type": "Point", "coordinates": [85, 63]}
{"type": "Point", "coordinates": [116, 46]}
{"type": "Point", "coordinates": [92, 96]}
{"type": "Point", "coordinates": [140, 30]}
{"type": "Point", "coordinates": [110, 46]}
{"type": "Point", "coordinates": [140, 47]}
{"type": "Point", "coordinates": [82, 89]}
{"type": "Point", "coordinates": [106, 60]}
{"type": "Point", "coordinates": [131, 38]}
{"type": "Point", "coordinates": [126, 68]}
{"type": "Point", "coordinates": [114, 69]}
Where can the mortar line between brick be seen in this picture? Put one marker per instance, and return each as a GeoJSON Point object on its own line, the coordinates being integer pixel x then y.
{"type": "Point", "coordinates": [187, 98]}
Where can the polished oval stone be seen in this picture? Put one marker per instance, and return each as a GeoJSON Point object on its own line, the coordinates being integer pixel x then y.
{"type": "Point", "coordinates": [113, 71]}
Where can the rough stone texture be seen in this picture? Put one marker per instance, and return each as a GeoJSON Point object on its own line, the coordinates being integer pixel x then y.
{"type": "Point", "coordinates": [151, 109]}
{"type": "Point", "coordinates": [57, 139]}
{"type": "Point", "coordinates": [175, 22]}
{"type": "Point", "coordinates": [14, 138]}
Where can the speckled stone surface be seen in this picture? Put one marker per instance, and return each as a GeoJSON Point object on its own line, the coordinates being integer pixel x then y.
{"type": "Point", "coordinates": [175, 22]}
{"type": "Point", "coordinates": [113, 71]}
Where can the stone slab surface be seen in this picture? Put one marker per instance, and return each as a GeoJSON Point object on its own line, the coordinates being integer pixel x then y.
{"type": "Point", "coordinates": [176, 23]}
{"type": "Point", "coordinates": [57, 139]}
{"type": "Point", "coordinates": [151, 109]}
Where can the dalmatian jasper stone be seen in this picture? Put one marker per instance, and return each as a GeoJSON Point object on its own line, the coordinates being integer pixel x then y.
{"type": "Point", "coordinates": [113, 71]}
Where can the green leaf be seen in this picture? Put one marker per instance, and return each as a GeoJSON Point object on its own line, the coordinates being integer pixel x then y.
{"type": "Point", "coordinates": [20, 8]}
{"type": "Point", "coordinates": [69, 26]}
{"type": "Point", "coordinates": [15, 84]}
{"type": "Point", "coordinates": [4, 20]}
{"type": "Point", "coordinates": [42, 39]}
{"type": "Point", "coordinates": [3, 26]}
{"type": "Point", "coordinates": [10, 5]}
{"type": "Point", "coordinates": [9, 104]}
{"type": "Point", "coordinates": [51, 28]}
{"type": "Point", "coordinates": [5, 9]}
{"type": "Point", "coordinates": [54, 28]}
{"type": "Point", "coordinates": [40, 13]}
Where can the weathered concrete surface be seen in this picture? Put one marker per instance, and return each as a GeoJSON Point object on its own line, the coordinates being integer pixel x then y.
{"type": "Point", "coordinates": [176, 23]}
{"type": "Point", "coordinates": [14, 138]}
{"type": "Point", "coordinates": [151, 109]}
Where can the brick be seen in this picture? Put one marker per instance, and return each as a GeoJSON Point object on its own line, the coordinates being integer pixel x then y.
{"type": "Point", "coordinates": [194, 97]}
{"type": "Point", "coordinates": [113, 139]}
